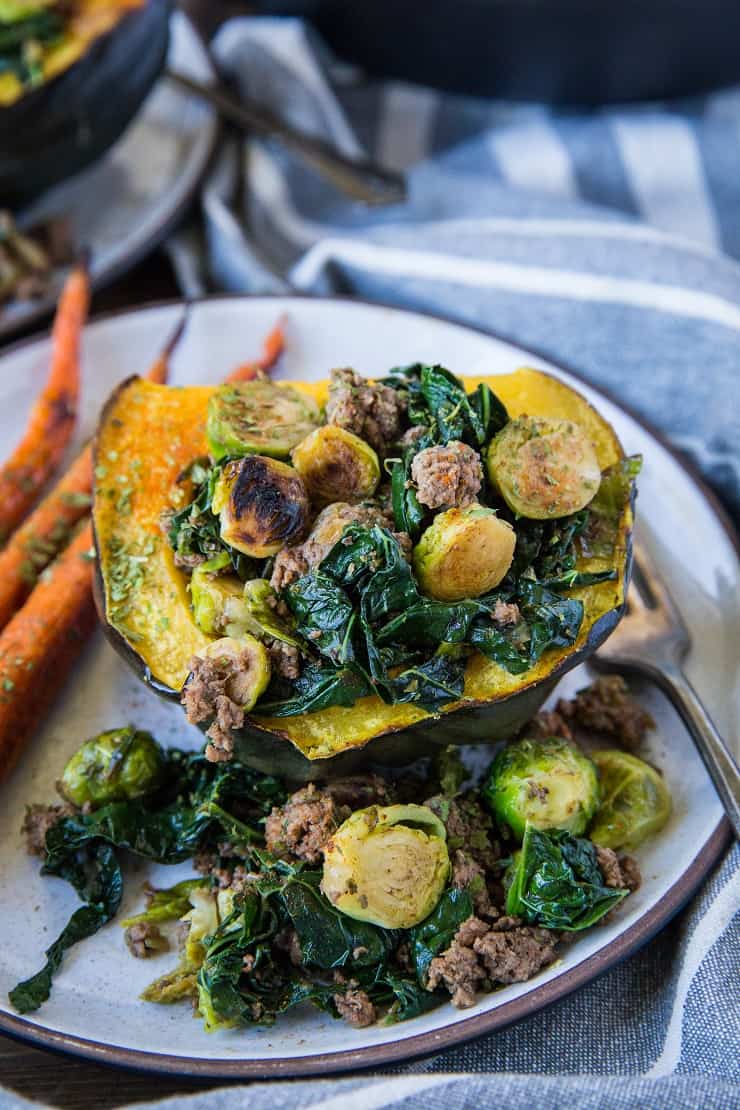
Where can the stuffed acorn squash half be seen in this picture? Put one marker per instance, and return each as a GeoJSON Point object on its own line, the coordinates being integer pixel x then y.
{"type": "Point", "coordinates": [72, 75]}
{"type": "Point", "coordinates": [352, 571]}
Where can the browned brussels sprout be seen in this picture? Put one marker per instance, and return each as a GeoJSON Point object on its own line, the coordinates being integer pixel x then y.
{"type": "Point", "coordinates": [337, 465]}
{"type": "Point", "coordinates": [262, 503]}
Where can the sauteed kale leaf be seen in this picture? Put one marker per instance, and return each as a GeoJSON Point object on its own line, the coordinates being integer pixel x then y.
{"type": "Point", "coordinates": [555, 881]}
{"type": "Point", "coordinates": [200, 803]}
{"type": "Point", "coordinates": [373, 629]}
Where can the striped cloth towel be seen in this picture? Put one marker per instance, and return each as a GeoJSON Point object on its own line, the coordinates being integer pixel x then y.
{"type": "Point", "coordinates": [604, 241]}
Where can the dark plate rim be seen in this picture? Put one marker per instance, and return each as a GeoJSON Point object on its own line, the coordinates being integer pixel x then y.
{"type": "Point", "coordinates": [423, 1044]}
{"type": "Point", "coordinates": [169, 221]}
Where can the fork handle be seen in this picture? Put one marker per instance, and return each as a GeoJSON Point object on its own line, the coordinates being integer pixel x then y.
{"type": "Point", "coordinates": [722, 768]}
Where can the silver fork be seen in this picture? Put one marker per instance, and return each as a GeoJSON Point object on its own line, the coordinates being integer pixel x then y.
{"type": "Point", "coordinates": [652, 640]}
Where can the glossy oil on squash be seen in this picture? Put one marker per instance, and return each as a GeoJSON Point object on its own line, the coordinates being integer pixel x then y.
{"type": "Point", "coordinates": [145, 595]}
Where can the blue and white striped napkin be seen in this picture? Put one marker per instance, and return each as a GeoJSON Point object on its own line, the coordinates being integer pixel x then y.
{"type": "Point", "coordinates": [606, 241]}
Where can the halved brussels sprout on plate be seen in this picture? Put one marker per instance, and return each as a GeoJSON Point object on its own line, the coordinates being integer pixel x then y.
{"type": "Point", "coordinates": [116, 766]}
{"type": "Point", "coordinates": [635, 801]}
{"type": "Point", "coordinates": [388, 865]}
{"type": "Point", "coordinates": [548, 784]}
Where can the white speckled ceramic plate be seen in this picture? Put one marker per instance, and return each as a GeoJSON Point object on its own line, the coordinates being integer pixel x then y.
{"type": "Point", "coordinates": [124, 205]}
{"type": "Point", "coordinates": [94, 1009]}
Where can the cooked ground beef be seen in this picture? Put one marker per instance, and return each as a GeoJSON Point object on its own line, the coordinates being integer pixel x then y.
{"type": "Point", "coordinates": [356, 1008]}
{"type": "Point", "coordinates": [548, 722]}
{"type": "Point", "coordinates": [515, 955]}
{"type": "Point", "coordinates": [447, 476]}
{"type": "Point", "coordinates": [301, 827]}
{"type": "Point", "coordinates": [285, 659]}
{"type": "Point", "coordinates": [468, 827]}
{"type": "Point", "coordinates": [480, 953]}
{"type": "Point", "coordinates": [293, 562]}
{"type": "Point", "coordinates": [212, 692]}
{"type": "Point", "coordinates": [506, 612]}
{"type": "Point", "coordinates": [622, 872]}
{"type": "Point", "coordinates": [372, 412]}
{"type": "Point", "coordinates": [37, 822]}
{"type": "Point", "coordinates": [144, 940]}
{"type": "Point", "coordinates": [467, 874]}
{"type": "Point", "coordinates": [607, 708]}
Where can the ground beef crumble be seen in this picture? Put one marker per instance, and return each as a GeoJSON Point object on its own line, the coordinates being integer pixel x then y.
{"type": "Point", "coordinates": [480, 953]}
{"type": "Point", "coordinates": [356, 1008]}
{"type": "Point", "coordinates": [608, 709]}
{"type": "Point", "coordinates": [447, 476]}
{"type": "Point", "coordinates": [373, 412]}
{"type": "Point", "coordinates": [212, 693]}
{"type": "Point", "coordinates": [144, 940]}
{"type": "Point", "coordinates": [301, 828]}
{"type": "Point", "coordinates": [37, 822]}
{"type": "Point", "coordinates": [622, 872]}
{"type": "Point", "coordinates": [285, 659]}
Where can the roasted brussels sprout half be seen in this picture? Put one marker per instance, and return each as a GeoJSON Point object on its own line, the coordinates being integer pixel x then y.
{"type": "Point", "coordinates": [337, 465]}
{"type": "Point", "coordinates": [115, 766]}
{"type": "Point", "coordinates": [635, 801]}
{"type": "Point", "coordinates": [218, 602]}
{"type": "Point", "coordinates": [387, 865]}
{"type": "Point", "coordinates": [258, 418]}
{"type": "Point", "coordinates": [548, 784]}
{"type": "Point", "coordinates": [262, 618]}
{"type": "Point", "coordinates": [463, 553]}
{"type": "Point", "coordinates": [543, 467]}
{"type": "Point", "coordinates": [262, 504]}
{"type": "Point", "coordinates": [244, 666]}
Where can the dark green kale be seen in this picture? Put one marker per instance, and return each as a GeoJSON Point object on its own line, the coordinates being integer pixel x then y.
{"type": "Point", "coordinates": [400, 647]}
{"type": "Point", "coordinates": [555, 881]}
{"type": "Point", "coordinates": [201, 803]}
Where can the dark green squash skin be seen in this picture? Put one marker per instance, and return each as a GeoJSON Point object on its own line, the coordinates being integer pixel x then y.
{"type": "Point", "coordinates": [58, 129]}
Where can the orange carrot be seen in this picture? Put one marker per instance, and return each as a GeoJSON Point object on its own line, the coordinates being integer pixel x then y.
{"type": "Point", "coordinates": [47, 530]}
{"type": "Point", "coordinates": [53, 416]}
{"type": "Point", "coordinates": [41, 643]}
{"type": "Point", "coordinates": [272, 349]}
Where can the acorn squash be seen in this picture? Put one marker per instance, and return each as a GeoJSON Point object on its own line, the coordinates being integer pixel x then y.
{"type": "Point", "coordinates": [71, 78]}
{"type": "Point", "coordinates": [149, 433]}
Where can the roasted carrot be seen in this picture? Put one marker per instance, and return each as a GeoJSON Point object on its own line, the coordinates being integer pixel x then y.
{"type": "Point", "coordinates": [53, 416]}
{"type": "Point", "coordinates": [41, 643]}
{"type": "Point", "coordinates": [272, 349]}
{"type": "Point", "coordinates": [47, 530]}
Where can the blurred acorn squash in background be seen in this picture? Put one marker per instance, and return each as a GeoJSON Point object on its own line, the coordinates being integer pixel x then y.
{"type": "Point", "coordinates": [73, 73]}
